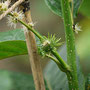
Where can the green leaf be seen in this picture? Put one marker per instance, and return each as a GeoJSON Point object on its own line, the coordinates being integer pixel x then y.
{"type": "Point", "coordinates": [85, 8]}
{"type": "Point", "coordinates": [12, 48]}
{"type": "Point", "coordinates": [12, 43]}
{"type": "Point", "coordinates": [55, 6]}
{"type": "Point", "coordinates": [11, 35]}
{"type": "Point", "coordinates": [57, 79]}
{"type": "Point", "coordinates": [16, 81]}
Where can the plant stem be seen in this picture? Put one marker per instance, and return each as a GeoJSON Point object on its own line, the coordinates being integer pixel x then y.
{"type": "Point", "coordinates": [63, 64]}
{"type": "Point", "coordinates": [56, 61]}
{"type": "Point", "coordinates": [51, 57]}
{"type": "Point", "coordinates": [35, 60]}
{"type": "Point", "coordinates": [32, 48]}
{"type": "Point", "coordinates": [70, 41]}
{"type": "Point", "coordinates": [31, 29]}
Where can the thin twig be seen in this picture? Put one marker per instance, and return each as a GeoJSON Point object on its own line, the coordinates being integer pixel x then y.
{"type": "Point", "coordinates": [34, 58]}
{"type": "Point", "coordinates": [11, 8]}
{"type": "Point", "coordinates": [33, 55]}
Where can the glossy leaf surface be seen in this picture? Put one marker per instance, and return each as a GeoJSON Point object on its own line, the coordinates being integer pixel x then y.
{"type": "Point", "coordinates": [55, 6]}
{"type": "Point", "coordinates": [12, 43]}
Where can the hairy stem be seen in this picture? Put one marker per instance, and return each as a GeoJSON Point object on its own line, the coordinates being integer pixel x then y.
{"type": "Point", "coordinates": [56, 61]}
{"type": "Point", "coordinates": [31, 29]}
{"type": "Point", "coordinates": [70, 41]}
{"type": "Point", "coordinates": [63, 64]}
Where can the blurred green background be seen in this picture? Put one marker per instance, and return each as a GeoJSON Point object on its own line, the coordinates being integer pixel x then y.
{"type": "Point", "coordinates": [46, 21]}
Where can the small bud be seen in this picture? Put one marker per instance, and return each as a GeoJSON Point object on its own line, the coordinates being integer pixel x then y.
{"type": "Point", "coordinates": [17, 14]}
{"type": "Point", "coordinates": [4, 6]}
{"type": "Point", "coordinates": [46, 43]}
{"type": "Point", "coordinates": [13, 20]}
{"type": "Point", "coordinates": [77, 28]}
{"type": "Point", "coordinates": [31, 24]}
